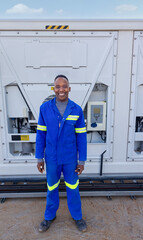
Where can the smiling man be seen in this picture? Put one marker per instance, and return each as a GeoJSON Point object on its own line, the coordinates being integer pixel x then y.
{"type": "Point", "coordinates": [61, 141]}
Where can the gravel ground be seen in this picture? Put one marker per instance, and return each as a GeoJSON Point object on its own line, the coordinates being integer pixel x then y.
{"type": "Point", "coordinates": [118, 219]}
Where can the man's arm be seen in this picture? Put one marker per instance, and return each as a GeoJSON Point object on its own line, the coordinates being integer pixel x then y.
{"type": "Point", "coordinates": [40, 142]}
{"type": "Point", "coordinates": [81, 143]}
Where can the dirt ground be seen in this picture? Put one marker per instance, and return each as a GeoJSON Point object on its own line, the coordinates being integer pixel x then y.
{"type": "Point", "coordinates": [118, 219]}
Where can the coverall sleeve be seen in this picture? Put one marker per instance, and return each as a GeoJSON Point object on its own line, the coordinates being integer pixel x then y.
{"type": "Point", "coordinates": [80, 130]}
{"type": "Point", "coordinates": [41, 136]}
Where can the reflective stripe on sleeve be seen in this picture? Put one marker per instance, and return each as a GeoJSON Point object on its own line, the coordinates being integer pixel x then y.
{"type": "Point", "coordinates": [41, 128]}
{"type": "Point", "coordinates": [50, 188]}
{"type": "Point", "coordinates": [72, 186]}
{"type": "Point", "coordinates": [80, 130]}
{"type": "Point", "coordinates": [72, 117]}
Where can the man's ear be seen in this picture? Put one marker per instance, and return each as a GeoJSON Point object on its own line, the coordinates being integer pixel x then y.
{"type": "Point", "coordinates": [69, 89]}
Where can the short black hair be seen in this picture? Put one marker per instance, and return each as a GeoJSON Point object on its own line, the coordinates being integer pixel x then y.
{"type": "Point", "coordinates": [61, 76]}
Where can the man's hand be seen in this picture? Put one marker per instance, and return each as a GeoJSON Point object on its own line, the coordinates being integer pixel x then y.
{"type": "Point", "coordinates": [79, 169]}
{"type": "Point", "coordinates": [40, 166]}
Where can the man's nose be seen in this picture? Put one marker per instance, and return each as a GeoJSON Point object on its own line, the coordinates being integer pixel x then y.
{"type": "Point", "coordinates": [61, 88]}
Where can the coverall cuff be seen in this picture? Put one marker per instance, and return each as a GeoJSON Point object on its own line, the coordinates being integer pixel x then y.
{"type": "Point", "coordinates": [40, 160]}
{"type": "Point", "coordinates": [81, 162]}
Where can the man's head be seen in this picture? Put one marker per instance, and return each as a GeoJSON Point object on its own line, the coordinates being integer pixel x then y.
{"type": "Point", "coordinates": [61, 88]}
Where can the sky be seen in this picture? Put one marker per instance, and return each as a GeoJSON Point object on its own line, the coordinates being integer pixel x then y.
{"type": "Point", "coordinates": [71, 9]}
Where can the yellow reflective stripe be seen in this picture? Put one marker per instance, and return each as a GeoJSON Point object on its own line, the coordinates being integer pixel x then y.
{"type": "Point", "coordinates": [72, 117]}
{"type": "Point", "coordinates": [72, 186]}
{"type": "Point", "coordinates": [42, 128]}
{"type": "Point", "coordinates": [76, 116]}
{"type": "Point", "coordinates": [50, 188]}
{"type": "Point", "coordinates": [80, 130]}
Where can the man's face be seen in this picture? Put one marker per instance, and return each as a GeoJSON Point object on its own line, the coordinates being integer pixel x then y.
{"type": "Point", "coordinates": [61, 89]}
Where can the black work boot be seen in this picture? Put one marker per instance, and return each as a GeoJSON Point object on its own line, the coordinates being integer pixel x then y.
{"type": "Point", "coordinates": [44, 225]}
{"type": "Point", "coordinates": [81, 225]}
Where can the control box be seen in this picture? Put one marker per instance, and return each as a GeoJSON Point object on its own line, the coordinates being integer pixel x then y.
{"type": "Point", "coordinates": [96, 112]}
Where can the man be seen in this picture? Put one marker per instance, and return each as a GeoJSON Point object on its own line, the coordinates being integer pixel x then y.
{"type": "Point", "coordinates": [61, 140]}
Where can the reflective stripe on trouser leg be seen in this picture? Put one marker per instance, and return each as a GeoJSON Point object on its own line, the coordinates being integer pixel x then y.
{"type": "Point", "coordinates": [73, 196]}
{"type": "Point", "coordinates": [53, 176]}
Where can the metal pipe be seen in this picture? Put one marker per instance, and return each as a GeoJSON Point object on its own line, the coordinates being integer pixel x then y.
{"type": "Point", "coordinates": [82, 179]}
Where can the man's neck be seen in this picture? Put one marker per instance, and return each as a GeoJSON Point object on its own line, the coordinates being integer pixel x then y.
{"type": "Point", "coordinates": [61, 101]}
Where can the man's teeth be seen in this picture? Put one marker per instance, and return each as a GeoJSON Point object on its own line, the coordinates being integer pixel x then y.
{"type": "Point", "coordinates": [61, 94]}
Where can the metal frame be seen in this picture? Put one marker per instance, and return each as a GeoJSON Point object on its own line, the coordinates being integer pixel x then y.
{"type": "Point", "coordinates": [138, 46]}
{"type": "Point", "coordinates": [76, 24]}
{"type": "Point", "coordinates": [97, 182]}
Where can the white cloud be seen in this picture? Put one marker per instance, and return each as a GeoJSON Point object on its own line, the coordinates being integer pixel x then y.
{"type": "Point", "coordinates": [23, 9]}
{"type": "Point", "coordinates": [59, 11]}
{"type": "Point", "coordinates": [126, 8]}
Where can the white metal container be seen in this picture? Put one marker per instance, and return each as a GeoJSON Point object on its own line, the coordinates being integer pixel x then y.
{"type": "Point", "coordinates": [103, 61]}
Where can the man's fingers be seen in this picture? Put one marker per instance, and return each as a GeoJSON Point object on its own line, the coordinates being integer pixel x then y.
{"type": "Point", "coordinates": [79, 169]}
{"type": "Point", "coordinates": [40, 167]}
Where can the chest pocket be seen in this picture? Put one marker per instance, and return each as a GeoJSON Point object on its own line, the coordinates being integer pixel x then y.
{"type": "Point", "coordinates": [71, 122]}
{"type": "Point", "coordinates": [71, 119]}
{"type": "Point", "coordinates": [70, 125]}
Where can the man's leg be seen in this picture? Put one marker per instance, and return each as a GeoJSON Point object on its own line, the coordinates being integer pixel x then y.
{"type": "Point", "coordinates": [53, 180]}
{"type": "Point", "coordinates": [73, 196]}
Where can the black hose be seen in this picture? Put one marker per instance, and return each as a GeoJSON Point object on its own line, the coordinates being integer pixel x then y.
{"type": "Point", "coordinates": [101, 163]}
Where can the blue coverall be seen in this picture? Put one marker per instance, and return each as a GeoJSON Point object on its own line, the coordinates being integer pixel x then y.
{"type": "Point", "coordinates": [61, 141]}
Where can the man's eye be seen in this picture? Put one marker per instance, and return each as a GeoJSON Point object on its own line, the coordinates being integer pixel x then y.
{"type": "Point", "coordinates": [64, 86]}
